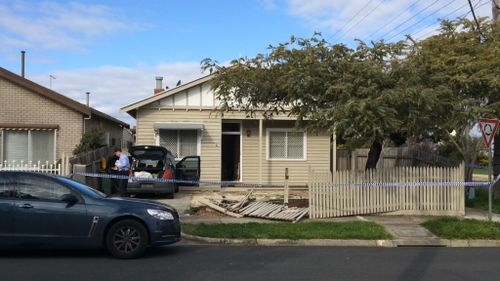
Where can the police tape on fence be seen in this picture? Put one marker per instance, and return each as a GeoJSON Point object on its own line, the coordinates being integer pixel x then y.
{"type": "Point", "coordinates": [242, 184]}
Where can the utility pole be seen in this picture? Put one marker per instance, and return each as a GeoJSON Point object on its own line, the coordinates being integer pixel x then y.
{"type": "Point", "coordinates": [495, 9]}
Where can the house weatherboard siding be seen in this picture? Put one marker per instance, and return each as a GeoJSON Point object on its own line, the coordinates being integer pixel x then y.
{"type": "Point", "coordinates": [273, 171]}
{"type": "Point", "coordinates": [21, 106]}
{"type": "Point", "coordinates": [194, 103]}
{"type": "Point", "coordinates": [210, 149]}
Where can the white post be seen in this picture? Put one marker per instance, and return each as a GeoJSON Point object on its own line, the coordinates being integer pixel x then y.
{"type": "Point", "coordinates": [490, 179]}
{"type": "Point", "coordinates": [55, 145]}
{"type": "Point", "coordinates": [285, 189]}
{"type": "Point", "coordinates": [260, 151]}
{"type": "Point", "coordinates": [334, 152]}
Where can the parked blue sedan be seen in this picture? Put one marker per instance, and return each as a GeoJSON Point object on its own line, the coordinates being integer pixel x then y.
{"type": "Point", "coordinates": [52, 211]}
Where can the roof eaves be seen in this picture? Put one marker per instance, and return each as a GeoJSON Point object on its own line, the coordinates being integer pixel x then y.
{"type": "Point", "coordinates": [131, 107]}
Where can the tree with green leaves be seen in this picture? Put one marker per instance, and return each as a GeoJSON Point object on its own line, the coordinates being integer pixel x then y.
{"type": "Point", "coordinates": [461, 70]}
{"type": "Point", "coordinates": [359, 93]}
{"type": "Point", "coordinates": [90, 141]}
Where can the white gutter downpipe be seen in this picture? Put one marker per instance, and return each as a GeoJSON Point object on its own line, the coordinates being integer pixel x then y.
{"type": "Point", "coordinates": [90, 112]}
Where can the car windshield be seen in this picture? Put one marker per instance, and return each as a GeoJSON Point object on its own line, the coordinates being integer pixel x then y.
{"type": "Point", "coordinates": [149, 163]}
{"type": "Point", "coordinates": [82, 188]}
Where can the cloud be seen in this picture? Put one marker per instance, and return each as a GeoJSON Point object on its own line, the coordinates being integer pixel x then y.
{"type": "Point", "coordinates": [268, 4]}
{"type": "Point", "coordinates": [113, 87]}
{"type": "Point", "coordinates": [375, 19]}
{"type": "Point", "coordinates": [56, 26]}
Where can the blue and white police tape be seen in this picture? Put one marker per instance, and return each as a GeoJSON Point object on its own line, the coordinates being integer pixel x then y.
{"type": "Point", "coordinates": [415, 184]}
{"type": "Point", "coordinates": [241, 184]}
{"type": "Point", "coordinates": [190, 182]}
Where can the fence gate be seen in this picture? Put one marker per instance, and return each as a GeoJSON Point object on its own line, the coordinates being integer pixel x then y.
{"type": "Point", "coordinates": [398, 190]}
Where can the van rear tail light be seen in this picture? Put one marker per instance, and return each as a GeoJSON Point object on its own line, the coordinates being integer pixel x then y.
{"type": "Point", "coordinates": [168, 174]}
{"type": "Point", "coordinates": [130, 173]}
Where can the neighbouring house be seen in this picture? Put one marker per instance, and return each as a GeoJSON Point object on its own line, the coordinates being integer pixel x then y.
{"type": "Point", "coordinates": [38, 124]}
{"type": "Point", "coordinates": [231, 147]}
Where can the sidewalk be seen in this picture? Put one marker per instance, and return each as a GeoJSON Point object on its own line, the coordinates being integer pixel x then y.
{"type": "Point", "coordinates": [477, 214]}
{"type": "Point", "coordinates": [407, 230]}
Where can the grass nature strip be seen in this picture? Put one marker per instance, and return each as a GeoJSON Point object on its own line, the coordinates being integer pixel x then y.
{"type": "Point", "coordinates": [453, 228]}
{"type": "Point", "coordinates": [306, 230]}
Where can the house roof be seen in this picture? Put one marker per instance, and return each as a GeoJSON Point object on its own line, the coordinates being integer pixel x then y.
{"type": "Point", "coordinates": [56, 97]}
{"type": "Point", "coordinates": [131, 108]}
{"type": "Point", "coordinates": [47, 93]}
{"type": "Point", "coordinates": [105, 116]}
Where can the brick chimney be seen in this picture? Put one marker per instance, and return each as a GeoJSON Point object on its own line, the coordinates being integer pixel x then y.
{"type": "Point", "coordinates": [159, 86]}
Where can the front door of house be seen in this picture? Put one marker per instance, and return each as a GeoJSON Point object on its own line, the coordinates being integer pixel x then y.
{"type": "Point", "coordinates": [231, 151]}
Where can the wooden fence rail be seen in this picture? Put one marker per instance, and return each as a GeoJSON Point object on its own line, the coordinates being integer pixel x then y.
{"type": "Point", "coordinates": [412, 191]}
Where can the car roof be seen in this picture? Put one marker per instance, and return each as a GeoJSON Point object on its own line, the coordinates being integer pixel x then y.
{"type": "Point", "coordinates": [135, 148]}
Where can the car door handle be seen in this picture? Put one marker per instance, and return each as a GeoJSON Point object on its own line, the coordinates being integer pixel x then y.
{"type": "Point", "coordinates": [25, 206]}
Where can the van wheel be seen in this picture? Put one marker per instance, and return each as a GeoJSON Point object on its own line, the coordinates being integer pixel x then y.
{"type": "Point", "coordinates": [176, 188]}
{"type": "Point", "coordinates": [170, 195]}
{"type": "Point", "coordinates": [127, 239]}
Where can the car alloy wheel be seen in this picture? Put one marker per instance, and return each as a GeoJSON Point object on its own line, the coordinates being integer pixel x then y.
{"type": "Point", "coordinates": [127, 239]}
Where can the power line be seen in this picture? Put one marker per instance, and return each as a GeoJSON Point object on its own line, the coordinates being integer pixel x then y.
{"type": "Point", "coordinates": [421, 20]}
{"type": "Point", "coordinates": [360, 21]}
{"type": "Point", "coordinates": [350, 20]}
{"type": "Point", "coordinates": [475, 19]}
{"type": "Point", "coordinates": [418, 13]}
{"type": "Point", "coordinates": [445, 16]}
{"type": "Point", "coordinates": [393, 19]}
{"type": "Point", "coordinates": [462, 16]}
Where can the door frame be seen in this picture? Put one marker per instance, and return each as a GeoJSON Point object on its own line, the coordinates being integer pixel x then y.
{"type": "Point", "coordinates": [240, 133]}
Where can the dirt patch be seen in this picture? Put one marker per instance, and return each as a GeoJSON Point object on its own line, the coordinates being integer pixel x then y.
{"type": "Point", "coordinates": [298, 203]}
{"type": "Point", "coordinates": [204, 212]}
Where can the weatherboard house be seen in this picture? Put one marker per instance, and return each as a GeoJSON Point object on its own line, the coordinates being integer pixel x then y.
{"type": "Point", "coordinates": [232, 147]}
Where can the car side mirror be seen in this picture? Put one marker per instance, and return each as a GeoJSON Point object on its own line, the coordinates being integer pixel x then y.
{"type": "Point", "coordinates": [69, 198]}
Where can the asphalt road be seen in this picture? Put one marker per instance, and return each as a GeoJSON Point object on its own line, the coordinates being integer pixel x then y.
{"type": "Point", "coordinates": [233, 263]}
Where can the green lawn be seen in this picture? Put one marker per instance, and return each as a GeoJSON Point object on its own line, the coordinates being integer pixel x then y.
{"type": "Point", "coordinates": [452, 228]}
{"type": "Point", "coordinates": [481, 201]}
{"type": "Point", "coordinates": [307, 230]}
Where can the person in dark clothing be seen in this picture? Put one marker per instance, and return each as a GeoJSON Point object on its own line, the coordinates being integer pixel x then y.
{"type": "Point", "coordinates": [109, 169]}
{"type": "Point", "coordinates": [122, 166]}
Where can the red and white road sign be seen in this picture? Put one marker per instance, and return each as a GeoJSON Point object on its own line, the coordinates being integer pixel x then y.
{"type": "Point", "coordinates": [488, 128]}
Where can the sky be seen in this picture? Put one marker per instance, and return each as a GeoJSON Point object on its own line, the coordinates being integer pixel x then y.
{"type": "Point", "coordinates": [114, 49]}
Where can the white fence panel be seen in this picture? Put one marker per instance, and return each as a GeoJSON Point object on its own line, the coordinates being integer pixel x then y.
{"type": "Point", "coordinates": [37, 167]}
{"type": "Point", "coordinates": [411, 191]}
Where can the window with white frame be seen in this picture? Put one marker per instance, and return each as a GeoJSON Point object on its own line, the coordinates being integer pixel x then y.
{"type": "Point", "coordinates": [29, 145]}
{"type": "Point", "coordinates": [180, 143]}
{"type": "Point", "coordinates": [285, 144]}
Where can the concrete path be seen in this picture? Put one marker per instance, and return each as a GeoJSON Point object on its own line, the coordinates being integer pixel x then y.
{"type": "Point", "coordinates": [407, 230]}
{"type": "Point", "coordinates": [477, 214]}
{"type": "Point", "coordinates": [181, 202]}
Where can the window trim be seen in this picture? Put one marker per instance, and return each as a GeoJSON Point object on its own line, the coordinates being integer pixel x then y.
{"type": "Point", "coordinates": [3, 153]}
{"type": "Point", "coordinates": [198, 141]}
{"type": "Point", "coordinates": [286, 130]}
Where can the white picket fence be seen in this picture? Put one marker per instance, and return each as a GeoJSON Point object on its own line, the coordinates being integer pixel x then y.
{"type": "Point", "coordinates": [57, 168]}
{"type": "Point", "coordinates": [349, 193]}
